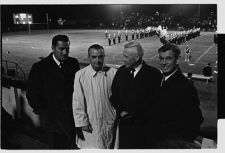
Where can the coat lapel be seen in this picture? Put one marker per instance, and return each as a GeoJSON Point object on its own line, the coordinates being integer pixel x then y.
{"type": "Point", "coordinates": [174, 77]}
{"type": "Point", "coordinates": [140, 73]}
{"type": "Point", "coordinates": [53, 67]}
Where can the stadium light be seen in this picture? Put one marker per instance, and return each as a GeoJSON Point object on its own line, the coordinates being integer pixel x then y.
{"type": "Point", "coordinates": [22, 18]}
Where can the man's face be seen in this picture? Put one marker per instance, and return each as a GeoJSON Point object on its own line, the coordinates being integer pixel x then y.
{"type": "Point", "coordinates": [167, 61]}
{"type": "Point", "coordinates": [130, 57]}
{"type": "Point", "coordinates": [61, 50]}
{"type": "Point", "coordinates": [96, 58]}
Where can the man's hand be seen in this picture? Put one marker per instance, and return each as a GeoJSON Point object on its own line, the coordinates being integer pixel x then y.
{"type": "Point", "coordinates": [123, 113]}
{"type": "Point", "coordinates": [87, 128]}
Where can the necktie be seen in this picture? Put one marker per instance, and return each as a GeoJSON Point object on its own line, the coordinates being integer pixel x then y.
{"type": "Point", "coordinates": [62, 66]}
{"type": "Point", "coordinates": [163, 81]}
{"type": "Point", "coordinates": [132, 72]}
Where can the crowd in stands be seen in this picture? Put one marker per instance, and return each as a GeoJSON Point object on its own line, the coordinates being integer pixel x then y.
{"type": "Point", "coordinates": [136, 20]}
{"type": "Point", "coordinates": [132, 20]}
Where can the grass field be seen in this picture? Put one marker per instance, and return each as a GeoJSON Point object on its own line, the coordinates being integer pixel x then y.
{"type": "Point", "coordinates": [25, 49]}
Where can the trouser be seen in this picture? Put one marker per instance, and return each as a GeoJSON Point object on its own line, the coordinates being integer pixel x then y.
{"type": "Point", "coordinates": [172, 143]}
{"type": "Point", "coordinates": [59, 141]}
{"type": "Point", "coordinates": [56, 139]}
{"type": "Point", "coordinates": [131, 134]}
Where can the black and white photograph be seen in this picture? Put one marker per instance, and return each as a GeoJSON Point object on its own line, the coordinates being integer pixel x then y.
{"type": "Point", "coordinates": [109, 76]}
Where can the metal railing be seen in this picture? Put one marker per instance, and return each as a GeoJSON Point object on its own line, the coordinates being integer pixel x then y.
{"type": "Point", "coordinates": [12, 70]}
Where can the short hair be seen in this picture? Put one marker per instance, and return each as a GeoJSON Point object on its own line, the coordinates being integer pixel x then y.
{"type": "Point", "coordinates": [57, 38]}
{"type": "Point", "coordinates": [95, 46]}
{"type": "Point", "coordinates": [170, 46]}
{"type": "Point", "coordinates": [135, 44]}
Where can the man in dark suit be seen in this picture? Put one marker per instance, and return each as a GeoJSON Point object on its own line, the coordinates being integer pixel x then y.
{"type": "Point", "coordinates": [176, 116]}
{"type": "Point", "coordinates": [49, 92]}
{"type": "Point", "coordinates": [133, 90]}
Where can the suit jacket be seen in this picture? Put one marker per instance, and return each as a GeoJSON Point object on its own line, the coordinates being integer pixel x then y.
{"type": "Point", "coordinates": [50, 92]}
{"type": "Point", "coordinates": [137, 95]}
{"type": "Point", "coordinates": [176, 113]}
{"type": "Point", "coordinates": [134, 96]}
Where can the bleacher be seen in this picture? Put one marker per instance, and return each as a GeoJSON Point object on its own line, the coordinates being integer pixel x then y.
{"type": "Point", "coordinates": [12, 70]}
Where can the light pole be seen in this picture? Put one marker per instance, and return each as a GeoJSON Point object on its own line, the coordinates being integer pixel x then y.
{"type": "Point", "coordinates": [47, 21]}
{"type": "Point", "coordinates": [29, 27]}
{"type": "Point", "coordinates": [199, 6]}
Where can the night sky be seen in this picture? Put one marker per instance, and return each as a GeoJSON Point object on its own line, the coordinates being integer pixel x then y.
{"type": "Point", "coordinates": [103, 12]}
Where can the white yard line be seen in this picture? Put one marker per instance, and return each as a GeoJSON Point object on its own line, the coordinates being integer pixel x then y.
{"type": "Point", "coordinates": [204, 53]}
{"type": "Point", "coordinates": [154, 56]}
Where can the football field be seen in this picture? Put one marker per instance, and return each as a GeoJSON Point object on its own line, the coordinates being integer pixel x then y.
{"type": "Point", "coordinates": [25, 49]}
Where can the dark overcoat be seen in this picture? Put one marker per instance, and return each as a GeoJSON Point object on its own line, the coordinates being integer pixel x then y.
{"type": "Point", "coordinates": [49, 93]}
{"type": "Point", "coordinates": [134, 96]}
{"type": "Point", "coordinates": [176, 113]}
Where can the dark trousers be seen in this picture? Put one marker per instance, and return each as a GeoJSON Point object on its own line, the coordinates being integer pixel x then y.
{"type": "Point", "coordinates": [114, 41]}
{"type": "Point", "coordinates": [54, 139]}
{"type": "Point", "coordinates": [59, 141]}
{"type": "Point", "coordinates": [171, 143]}
{"type": "Point", "coordinates": [131, 134]}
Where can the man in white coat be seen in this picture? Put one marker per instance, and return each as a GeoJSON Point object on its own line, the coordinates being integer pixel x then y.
{"type": "Point", "coordinates": [93, 113]}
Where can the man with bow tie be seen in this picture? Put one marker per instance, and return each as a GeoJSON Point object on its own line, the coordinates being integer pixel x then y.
{"type": "Point", "coordinates": [93, 113]}
{"type": "Point", "coordinates": [133, 91]}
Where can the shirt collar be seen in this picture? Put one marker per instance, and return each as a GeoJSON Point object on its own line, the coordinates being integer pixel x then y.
{"type": "Point", "coordinates": [94, 73]}
{"type": "Point", "coordinates": [57, 61]}
{"type": "Point", "coordinates": [167, 77]}
{"type": "Point", "coordinates": [138, 67]}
